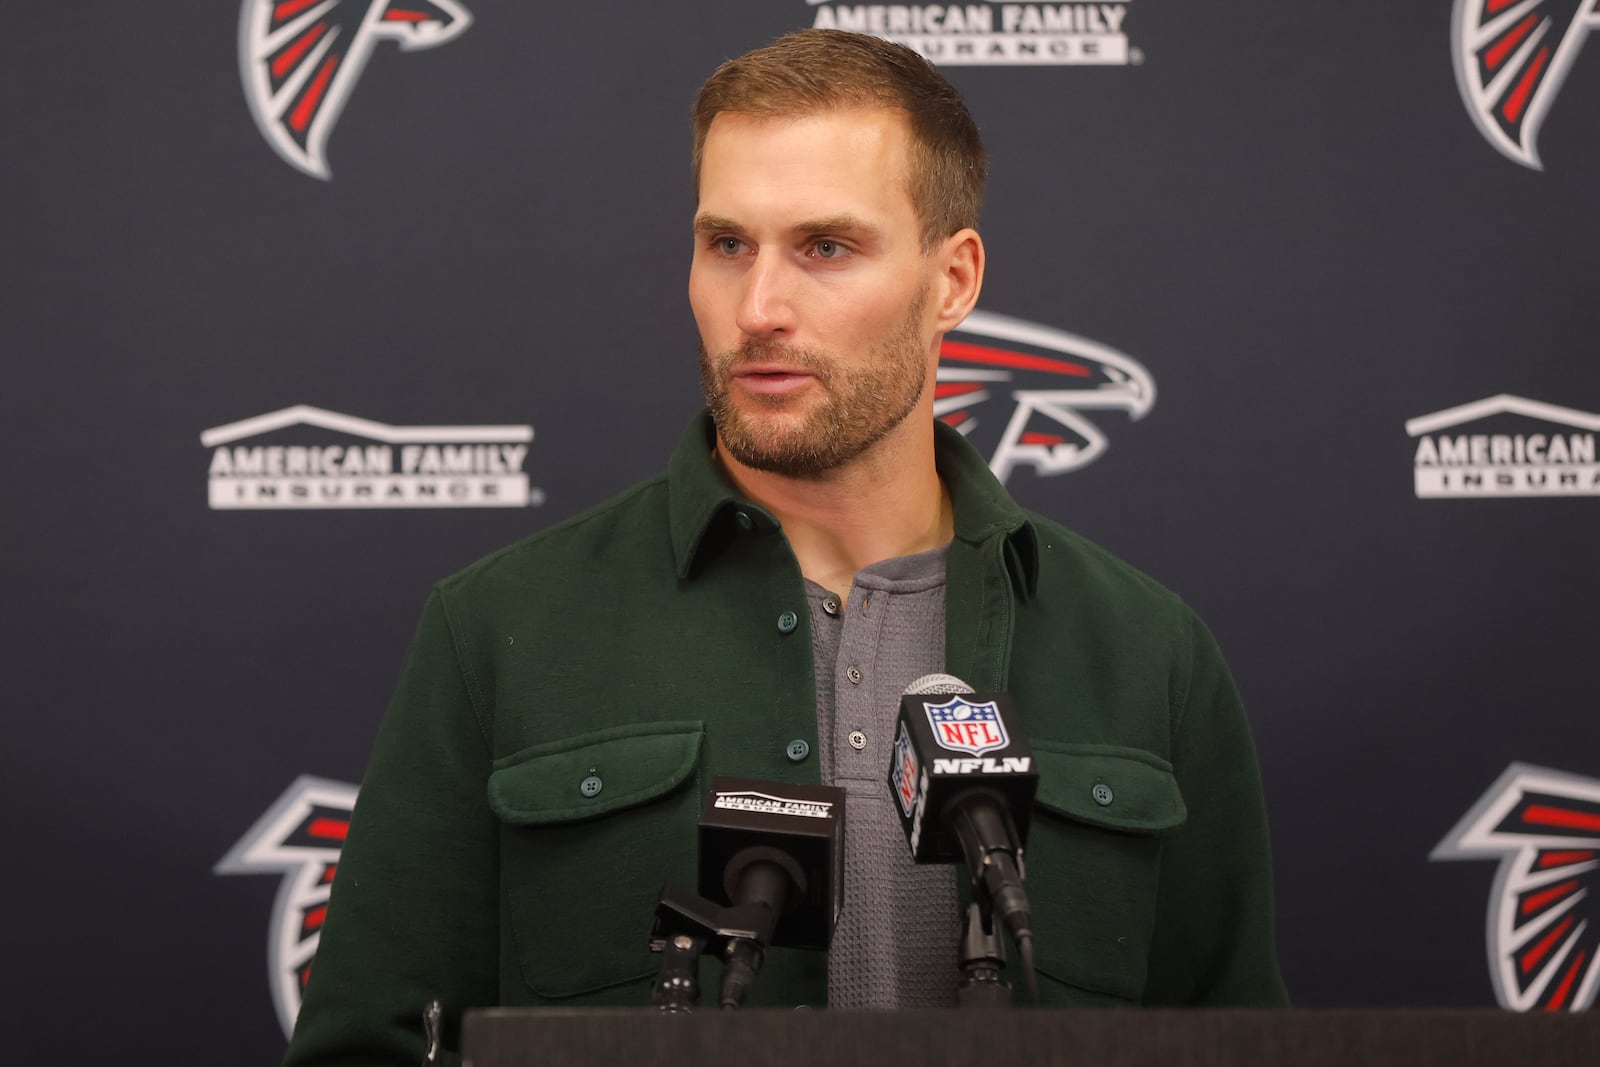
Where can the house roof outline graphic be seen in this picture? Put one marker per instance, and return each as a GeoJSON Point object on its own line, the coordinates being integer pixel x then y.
{"type": "Point", "coordinates": [306, 415]}
{"type": "Point", "coordinates": [1504, 404]}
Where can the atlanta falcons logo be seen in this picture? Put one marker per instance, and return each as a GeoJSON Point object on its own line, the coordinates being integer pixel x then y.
{"type": "Point", "coordinates": [1051, 375]}
{"type": "Point", "coordinates": [301, 59]}
{"type": "Point", "coordinates": [1511, 57]}
{"type": "Point", "coordinates": [300, 837]}
{"type": "Point", "coordinates": [1544, 826]}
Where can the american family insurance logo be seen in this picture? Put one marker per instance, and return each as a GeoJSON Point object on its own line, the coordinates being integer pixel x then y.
{"type": "Point", "coordinates": [299, 839]}
{"type": "Point", "coordinates": [1512, 58]}
{"type": "Point", "coordinates": [301, 59]}
{"type": "Point", "coordinates": [994, 34]}
{"type": "Point", "coordinates": [1020, 393]}
{"type": "Point", "coordinates": [1505, 446]}
{"type": "Point", "coordinates": [1543, 826]}
{"type": "Point", "coordinates": [305, 457]}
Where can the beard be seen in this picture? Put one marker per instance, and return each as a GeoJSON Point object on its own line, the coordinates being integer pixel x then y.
{"type": "Point", "coordinates": [858, 409]}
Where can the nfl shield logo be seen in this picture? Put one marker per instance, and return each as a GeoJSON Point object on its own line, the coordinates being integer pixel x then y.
{"type": "Point", "coordinates": [905, 771]}
{"type": "Point", "coordinates": [961, 726]}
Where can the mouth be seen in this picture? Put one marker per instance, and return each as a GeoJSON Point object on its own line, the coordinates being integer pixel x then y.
{"type": "Point", "coordinates": [772, 379]}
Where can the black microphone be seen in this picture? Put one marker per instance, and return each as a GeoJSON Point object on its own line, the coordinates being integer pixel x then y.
{"type": "Point", "coordinates": [964, 781]}
{"type": "Point", "coordinates": [772, 852]}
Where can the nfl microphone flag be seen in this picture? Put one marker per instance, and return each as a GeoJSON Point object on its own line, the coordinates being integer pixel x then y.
{"type": "Point", "coordinates": [946, 744]}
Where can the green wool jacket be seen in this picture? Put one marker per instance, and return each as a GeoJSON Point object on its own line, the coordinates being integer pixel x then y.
{"type": "Point", "coordinates": [662, 639]}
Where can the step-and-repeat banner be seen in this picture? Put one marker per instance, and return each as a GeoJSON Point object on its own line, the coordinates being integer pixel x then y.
{"type": "Point", "coordinates": [312, 302]}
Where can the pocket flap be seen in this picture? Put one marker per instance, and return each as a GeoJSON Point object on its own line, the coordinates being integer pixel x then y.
{"type": "Point", "coordinates": [1118, 788]}
{"type": "Point", "coordinates": [545, 784]}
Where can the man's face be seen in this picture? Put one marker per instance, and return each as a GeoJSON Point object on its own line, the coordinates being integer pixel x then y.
{"type": "Point", "coordinates": [809, 286]}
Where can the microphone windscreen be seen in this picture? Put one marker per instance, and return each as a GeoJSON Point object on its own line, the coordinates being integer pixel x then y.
{"type": "Point", "coordinates": [930, 684]}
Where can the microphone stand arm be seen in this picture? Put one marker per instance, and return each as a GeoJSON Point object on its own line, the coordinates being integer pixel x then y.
{"type": "Point", "coordinates": [685, 924]}
{"type": "Point", "coordinates": [993, 853]}
{"type": "Point", "coordinates": [982, 956]}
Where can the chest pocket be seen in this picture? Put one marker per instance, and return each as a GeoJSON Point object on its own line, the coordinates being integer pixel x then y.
{"type": "Point", "coordinates": [1093, 859]}
{"type": "Point", "coordinates": [592, 827]}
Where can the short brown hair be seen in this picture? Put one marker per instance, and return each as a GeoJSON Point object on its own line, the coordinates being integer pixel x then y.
{"type": "Point", "coordinates": [811, 71]}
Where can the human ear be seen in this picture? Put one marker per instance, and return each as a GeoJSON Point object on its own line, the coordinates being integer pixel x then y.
{"type": "Point", "coordinates": [960, 260]}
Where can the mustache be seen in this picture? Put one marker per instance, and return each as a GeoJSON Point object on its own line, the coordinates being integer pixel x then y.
{"type": "Point", "coordinates": [755, 350]}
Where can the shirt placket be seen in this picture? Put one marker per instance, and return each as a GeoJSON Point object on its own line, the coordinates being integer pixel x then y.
{"type": "Point", "coordinates": [859, 760]}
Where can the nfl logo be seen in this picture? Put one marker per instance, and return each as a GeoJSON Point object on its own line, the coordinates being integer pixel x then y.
{"type": "Point", "coordinates": [905, 771]}
{"type": "Point", "coordinates": [961, 726]}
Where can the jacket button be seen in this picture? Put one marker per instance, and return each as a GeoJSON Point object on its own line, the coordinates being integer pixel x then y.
{"type": "Point", "coordinates": [787, 622]}
{"type": "Point", "coordinates": [798, 750]}
{"type": "Point", "coordinates": [1102, 794]}
{"type": "Point", "coordinates": [744, 520]}
{"type": "Point", "coordinates": [590, 786]}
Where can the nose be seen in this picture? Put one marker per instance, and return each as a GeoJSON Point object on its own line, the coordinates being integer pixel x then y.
{"type": "Point", "coordinates": [766, 304]}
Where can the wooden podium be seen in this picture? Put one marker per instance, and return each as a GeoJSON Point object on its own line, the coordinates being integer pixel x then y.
{"type": "Point", "coordinates": [1024, 1038]}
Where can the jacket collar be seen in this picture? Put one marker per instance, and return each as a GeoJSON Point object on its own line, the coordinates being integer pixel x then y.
{"type": "Point", "coordinates": [705, 509]}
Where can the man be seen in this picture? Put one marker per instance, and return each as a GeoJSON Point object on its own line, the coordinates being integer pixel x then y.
{"type": "Point", "coordinates": [817, 542]}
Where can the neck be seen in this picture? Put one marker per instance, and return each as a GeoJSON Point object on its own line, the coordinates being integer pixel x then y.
{"type": "Point", "coordinates": [888, 502]}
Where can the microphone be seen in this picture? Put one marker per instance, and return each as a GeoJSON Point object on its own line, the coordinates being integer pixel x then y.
{"type": "Point", "coordinates": [964, 781]}
{"type": "Point", "coordinates": [772, 853]}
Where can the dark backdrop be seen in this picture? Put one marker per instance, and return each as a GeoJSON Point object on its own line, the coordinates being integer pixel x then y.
{"type": "Point", "coordinates": [1284, 213]}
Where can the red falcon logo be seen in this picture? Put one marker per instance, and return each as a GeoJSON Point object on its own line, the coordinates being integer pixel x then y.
{"type": "Point", "coordinates": [301, 59]}
{"type": "Point", "coordinates": [1511, 57]}
{"type": "Point", "coordinates": [1051, 376]}
{"type": "Point", "coordinates": [299, 837]}
{"type": "Point", "coordinates": [1544, 927]}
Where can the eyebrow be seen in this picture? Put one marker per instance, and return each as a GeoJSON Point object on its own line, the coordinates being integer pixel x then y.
{"type": "Point", "coordinates": [835, 224]}
{"type": "Point", "coordinates": [707, 223]}
{"type": "Point", "coordinates": [844, 223]}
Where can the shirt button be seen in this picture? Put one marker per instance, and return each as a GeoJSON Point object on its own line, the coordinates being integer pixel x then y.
{"type": "Point", "coordinates": [787, 622]}
{"type": "Point", "coordinates": [858, 740]}
{"type": "Point", "coordinates": [798, 750]}
{"type": "Point", "coordinates": [744, 520]}
{"type": "Point", "coordinates": [1102, 794]}
{"type": "Point", "coordinates": [831, 605]}
{"type": "Point", "coordinates": [590, 786]}
{"type": "Point", "coordinates": [854, 674]}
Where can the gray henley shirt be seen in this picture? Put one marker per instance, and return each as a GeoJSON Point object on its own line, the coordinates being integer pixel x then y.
{"type": "Point", "coordinates": [895, 946]}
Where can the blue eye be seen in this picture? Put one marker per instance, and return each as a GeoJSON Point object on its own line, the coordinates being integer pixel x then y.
{"type": "Point", "coordinates": [829, 249]}
{"type": "Point", "coordinates": [728, 245]}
